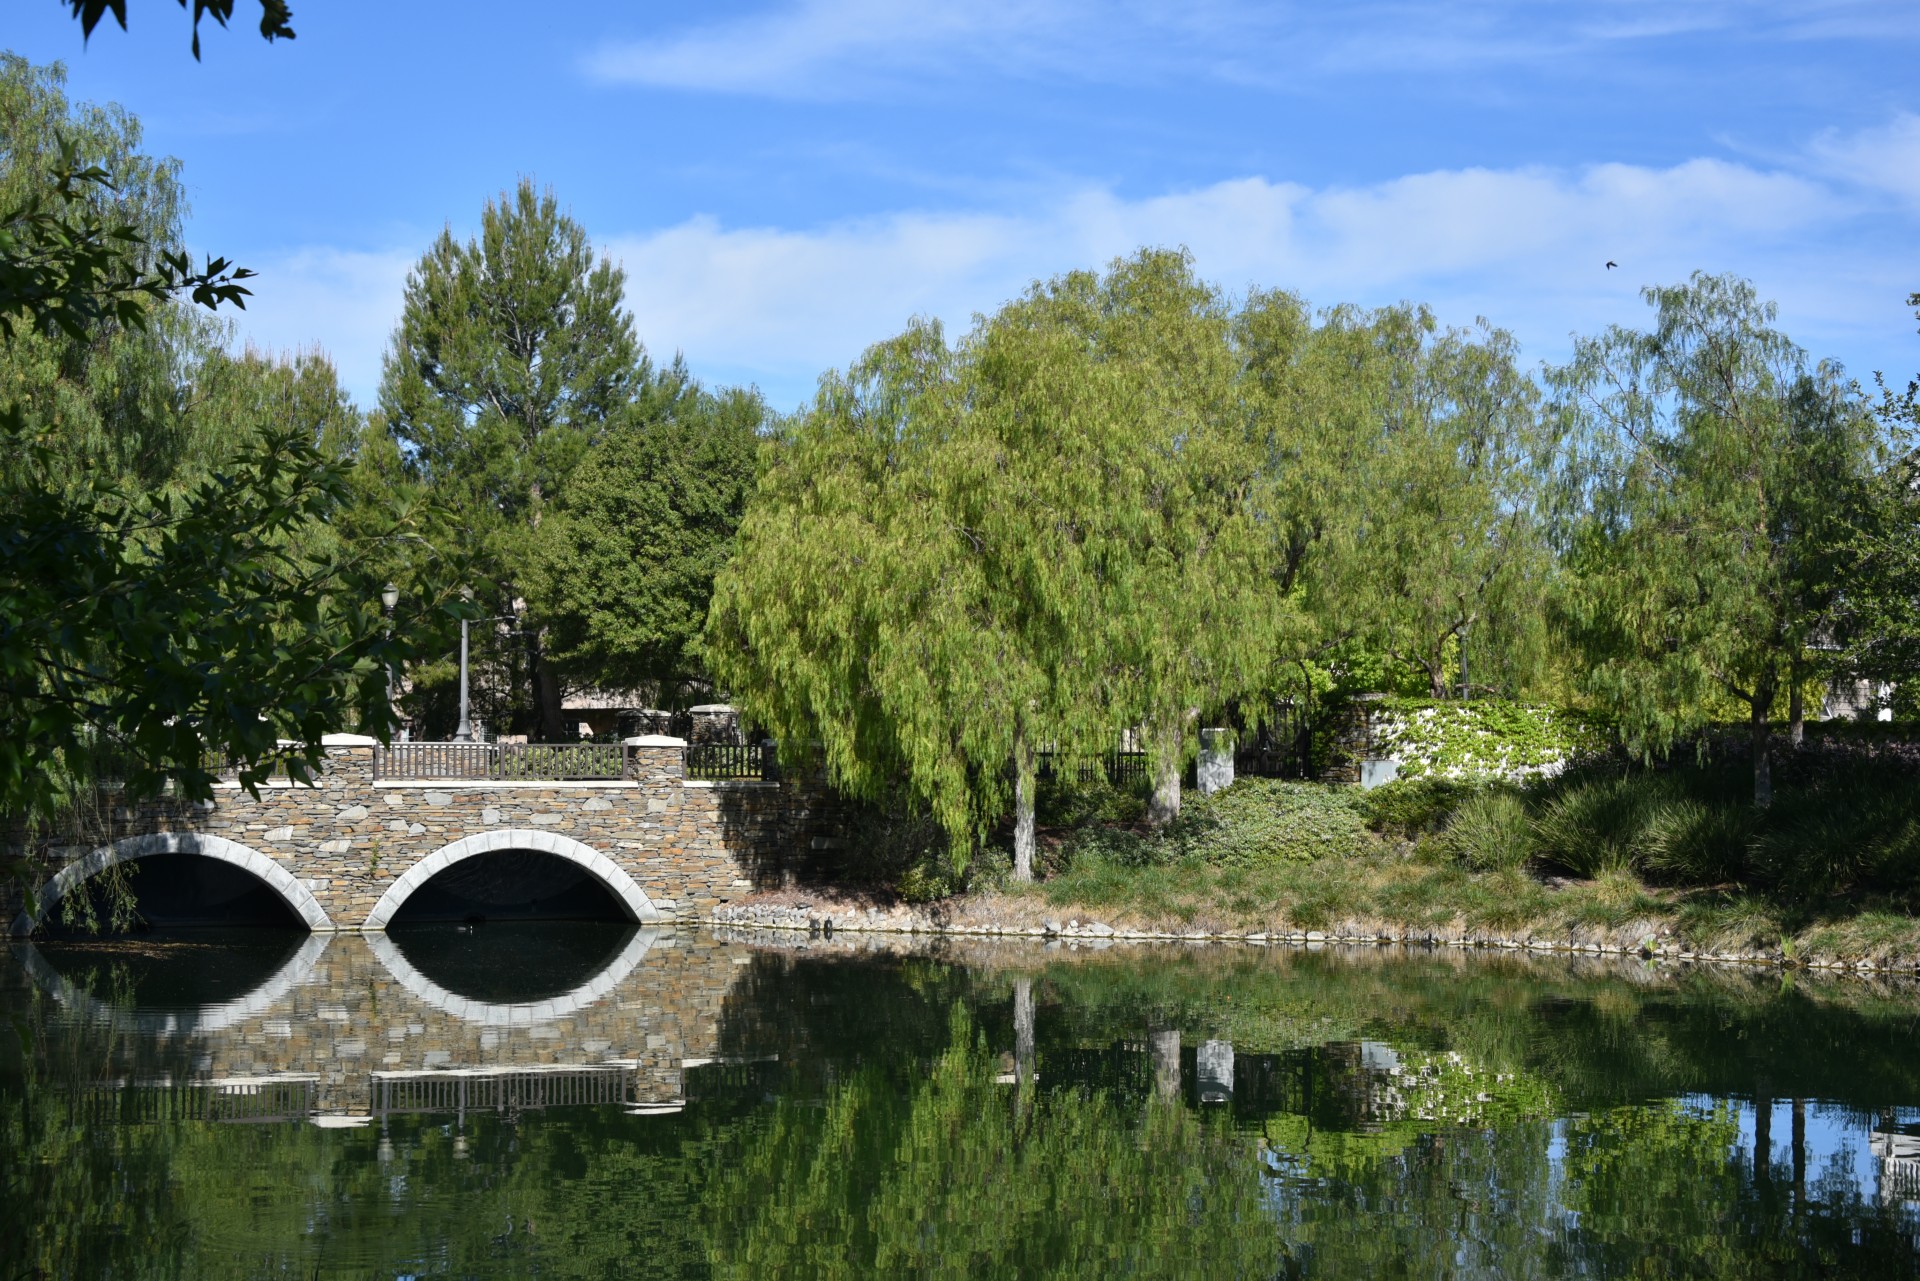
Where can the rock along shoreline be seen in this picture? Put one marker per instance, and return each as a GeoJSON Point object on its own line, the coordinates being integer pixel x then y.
{"type": "Point", "coordinates": [1016, 919]}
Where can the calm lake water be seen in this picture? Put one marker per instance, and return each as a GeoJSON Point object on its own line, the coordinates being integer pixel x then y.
{"type": "Point", "coordinates": [594, 1101]}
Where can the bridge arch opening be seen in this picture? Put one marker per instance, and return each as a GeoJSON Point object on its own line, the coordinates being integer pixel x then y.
{"type": "Point", "coordinates": [184, 879]}
{"type": "Point", "coordinates": [173, 891]}
{"type": "Point", "coordinates": [512, 875]}
{"type": "Point", "coordinates": [510, 885]}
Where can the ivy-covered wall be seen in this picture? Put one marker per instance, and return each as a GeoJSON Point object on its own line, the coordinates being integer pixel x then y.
{"type": "Point", "coordinates": [1485, 738]}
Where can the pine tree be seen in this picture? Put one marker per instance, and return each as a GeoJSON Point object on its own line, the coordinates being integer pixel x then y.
{"type": "Point", "coordinates": [513, 356]}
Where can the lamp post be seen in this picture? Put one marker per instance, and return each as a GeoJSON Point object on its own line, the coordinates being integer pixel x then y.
{"type": "Point", "coordinates": [389, 597]}
{"type": "Point", "coordinates": [464, 734]}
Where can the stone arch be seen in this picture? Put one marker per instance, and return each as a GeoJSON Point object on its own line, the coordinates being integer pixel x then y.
{"type": "Point", "coordinates": [633, 900]}
{"type": "Point", "coordinates": [282, 882]}
{"type": "Point", "coordinates": [518, 1014]}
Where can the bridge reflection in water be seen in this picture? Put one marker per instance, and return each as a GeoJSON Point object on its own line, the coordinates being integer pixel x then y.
{"type": "Point", "coordinates": [351, 1027]}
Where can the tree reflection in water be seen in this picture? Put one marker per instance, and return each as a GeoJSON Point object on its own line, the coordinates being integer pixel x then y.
{"type": "Point", "coordinates": [926, 1118]}
{"type": "Point", "coordinates": [961, 1176]}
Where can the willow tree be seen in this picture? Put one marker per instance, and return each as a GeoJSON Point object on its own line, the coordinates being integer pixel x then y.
{"type": "Point", "coordinates": [1168, 506]}
{"type": "Point", "coordinates": [1722, 480]}
{"type": "Point", "coordinates": [962, 556]}
{"type": "Point", "coordinates": [1449, 550]}
{"type": "Point", "coordinates": [868, 605]}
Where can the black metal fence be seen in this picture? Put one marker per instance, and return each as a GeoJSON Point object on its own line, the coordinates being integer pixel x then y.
{"type": "Point", "coordinates": [1117, 766]}
{"type": "Point", "coordinates": [517, 762]}
{"type": "Point", "coordinates": [1281, 748]}
{"type": "Point", "coordinates": [721, 762]}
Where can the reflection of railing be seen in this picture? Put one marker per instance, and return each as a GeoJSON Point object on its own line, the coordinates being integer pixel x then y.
{"type": "Point", "coordinates": [721, 761]}
{"type": "Point", "coordinates": [242, 1100]}
{"type": "Point", "coordinates": [1899, 1165]}
{"type": "Point", "coordinates": [500, 1089]}
{"type": "Point", "coordinates": [517, 762]}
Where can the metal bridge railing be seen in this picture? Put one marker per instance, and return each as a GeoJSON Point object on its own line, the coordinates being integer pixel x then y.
{"type": "Point", "coordinates": [517, 762]}
{"type": "Point", "coordinates": [718, 762]}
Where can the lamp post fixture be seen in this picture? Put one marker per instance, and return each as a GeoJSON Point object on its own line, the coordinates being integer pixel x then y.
{"type": "Point", "coordinates": [389, 597]}
{"type": "Point", "coordinates": [464, 734]}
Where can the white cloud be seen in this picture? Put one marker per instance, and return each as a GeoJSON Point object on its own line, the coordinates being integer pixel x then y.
{"type": "Point", "coordinates": [815, 45]}
{"type": "Point", "coordinates": [1884, 159]}
{"type": "Point", "coordinates": [344, 302]}
{"type": "Point", "coordinates": [840, 48]}
{"type": "Point", "coordinates": [1524, 247]}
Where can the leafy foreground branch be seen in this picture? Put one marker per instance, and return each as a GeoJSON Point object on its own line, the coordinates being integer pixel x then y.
{"type": "Point", "coordinates": [160, 637]}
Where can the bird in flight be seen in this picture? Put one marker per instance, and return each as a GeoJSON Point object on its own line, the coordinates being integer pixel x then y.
{"type": "Point", "coordinates": [1611, 264]}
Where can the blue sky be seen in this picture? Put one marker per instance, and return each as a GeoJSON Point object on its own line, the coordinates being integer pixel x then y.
{"type": "Point", "coordinates": [788, 182]}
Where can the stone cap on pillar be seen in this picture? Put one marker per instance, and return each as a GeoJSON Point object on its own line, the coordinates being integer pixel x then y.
{"type": "Point", "coordinates": [348, 740]}
{"type": "Point", "coordinates": [654, 740]}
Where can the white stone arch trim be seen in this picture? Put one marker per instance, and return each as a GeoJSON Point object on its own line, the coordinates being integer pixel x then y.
{"type": "Point", "coordinates": [633, 899]}
{"type": "Point", "coordinates": [197, 1021]}
{"type": "Point", "coordinates": [278, 878]}
{"type": "Point", "coordinates": [519, 1014]}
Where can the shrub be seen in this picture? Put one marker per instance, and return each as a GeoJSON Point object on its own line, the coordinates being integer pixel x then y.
{"type": "Point", "coordinates": [1856, 831]}
{"type": "Point", "coordinates": [930, 880]}
{"type": "Point", "coordinates": [1693, 842]}
{"type": "Point", "coordinates": [1414, 807]}
{"type": "Point", "coordinates": [1262, 821]}
{"type": "Point", "coordinates": [1828, 831]}
{"type": "Point", "coordinates": [1063, 801]}
{"type": "Point", "coordinates": [897, 845]}
{"type": "Point", "coordinates": [1596, 823]}
{"type": "Point", "coordinates": [1489, 833]}
{"type": "Point", "coordinates": [1114, 846]}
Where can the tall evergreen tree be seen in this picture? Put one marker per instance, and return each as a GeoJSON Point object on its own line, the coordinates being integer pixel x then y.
{"type": "Point", "coordinates": [513, 356]}
{"type": "Point", "coordinates": [623, 570]}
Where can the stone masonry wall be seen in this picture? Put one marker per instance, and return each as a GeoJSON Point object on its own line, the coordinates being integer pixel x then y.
{"type": "Point", "coordinates": [688, 845]}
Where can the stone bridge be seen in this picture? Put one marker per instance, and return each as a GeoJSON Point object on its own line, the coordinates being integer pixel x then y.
{"type": "Point", "coordinates": [351, 850]}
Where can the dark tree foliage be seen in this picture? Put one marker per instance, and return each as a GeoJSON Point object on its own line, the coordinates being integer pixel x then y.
{"type": "Point", "coordinates": [624, 570]}
{"type": "Point", "coordinates": [275, 16]}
